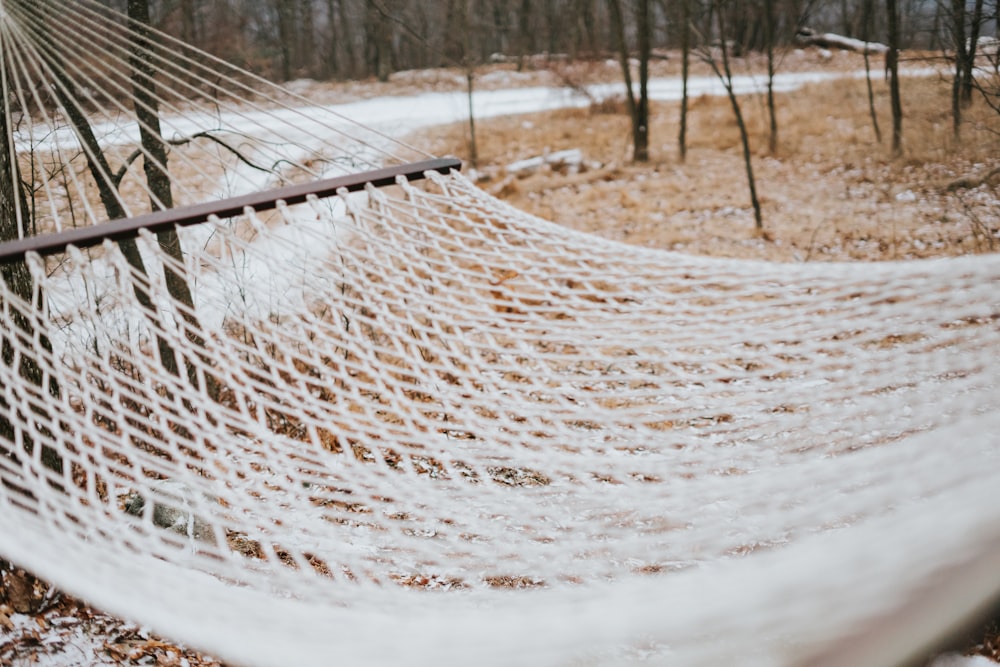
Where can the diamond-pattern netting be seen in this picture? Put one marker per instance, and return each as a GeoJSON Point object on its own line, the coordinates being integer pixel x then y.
{"type": "Point", "coordinates": [417, 426]}
{"type": "Point", "coordinates": [421, 399]}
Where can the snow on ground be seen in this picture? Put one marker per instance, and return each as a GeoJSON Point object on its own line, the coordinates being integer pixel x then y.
{"type": "Point", "coordinates": [302, 124]}
{"type": "Point", "coordinates": [397, 116]}
{"type": "Point", "coordinates": [60, 641]}
{"type": "Point", "coordinates": [956, 660]}
{"type": "Point", "coordinates": [69, 634]}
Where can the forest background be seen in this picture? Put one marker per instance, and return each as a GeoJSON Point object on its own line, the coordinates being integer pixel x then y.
{"type": "Point", "coordinates": [355, 39]}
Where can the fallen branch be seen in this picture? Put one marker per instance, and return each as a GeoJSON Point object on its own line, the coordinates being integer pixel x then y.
{"type": "Point", "coordinates": [568, 161]}
{"type": "Point", "coordinates": [829, 40]}
{"type": "Point", "coordinates": [969, 182]}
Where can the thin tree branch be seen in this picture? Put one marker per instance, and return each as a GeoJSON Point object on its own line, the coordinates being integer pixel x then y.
{"type": "Point", "coordinates": [207, 134]}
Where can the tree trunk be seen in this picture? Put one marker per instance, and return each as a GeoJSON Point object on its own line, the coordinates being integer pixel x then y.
{"type": "Point", "coordinates": [554, 25]}
{"type": "Point", "coordinates": [527, 34]}
{"type": "Point", "coordinates": [306, 55]}
{"type": "Point", "coordinates": [189, 30]}
{"type": "Point", "coordinates": [871, 100]}
{"type": "Point", "coordinates": [65, 93]}
{"type": "Point", "coordinates": [640, 123]}
{"type": "Point", "coordinates": [968, 81]}
{"type": "Point", "coordinates": [383, 67]}
{"type": "Point", "coordinates": [470, 76]}
{"type": "Point", "coordinates": [685, 71]}
{"type": "Point", "coordinates": [157, 177]}
{"type": "Point", "coordinates": [14, 213]}
{"type": "Point", "coordinates": [958, 43]}
{"type": "Point", "coordinates": [331, 64]}
{"type": "Point", "coordinates": [618, 32]}
{"type": "Point", "coordinates": [101, 172]}
{"type": "Point", "coordinates": [868, 13]}
{"type": "Point", "coordinates": [772, 137]}
{"type": "Point", "coordinates": [379, 39]}
{"type": "Point", "coordinates": [284, 11]}
{"type": "Point", "coordinates": [347, 38]}
{"type": "Point", "coordinates": [726, 75]}
{"type": "Point", "coordinates": [936, 28]}
{"type": "Point", "coordinates": [15, 223]}
{"type": "Point", "coordinates": [586, 9]}
{"type": "Point", "coordinates": [17, 586]}
{"type": "Point", "coordinates": [638, 109]}
{"type": "Point", "coordinates": [892, 66]}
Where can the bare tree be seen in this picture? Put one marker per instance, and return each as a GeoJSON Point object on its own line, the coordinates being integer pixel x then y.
{"type": "Point", "coordinates": [638, 107]}
{"type": "Point", "coordinates": [892, 67]}
{"type": "Point", "coordinates": [959, 44]}
{"type": "Point", "coordinates": [359, 38]}
{"type": "Point", "coordinates": [102, 174]}
{"type": "Point", "coordinates": [867, 18]}
{"type": "Point", "coordinates": [524, 28]}
{"type": "Point", "coordinates": [723, 71]}
{"type": "Point", "coordinates": [769, 39]}
{"type": "Point", "coordinates": [685, 71]}
{"type": "Point", "coordinates": [975, 26]}
{"type": "Point", "coordinates": [379, 33]}
{"type": "Point", "coordinates": [640, 120]}
{"type": "Point", "coordinates": [15, 223]}
{"type": "Point", "coordinates": [964, 32]}
{"type": "Point", "coordinates": [459, 49]}
{"type": "Point", "coordinates": [343, 37]}
{"type": "Point", "coordinates": [147, 112]}
{"type": "Point", "coordinates": [69, 101]}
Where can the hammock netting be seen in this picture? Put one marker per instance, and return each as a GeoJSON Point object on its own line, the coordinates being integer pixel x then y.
{"type": "Point", "coordinates": [414, 424]}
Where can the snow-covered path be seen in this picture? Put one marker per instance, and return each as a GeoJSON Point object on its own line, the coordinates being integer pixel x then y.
{"type": "Point", "coordinates": [397, 115]}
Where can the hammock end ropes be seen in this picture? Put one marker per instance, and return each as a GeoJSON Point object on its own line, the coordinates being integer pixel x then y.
{"type": "Point", "coordinates": [183, 216]}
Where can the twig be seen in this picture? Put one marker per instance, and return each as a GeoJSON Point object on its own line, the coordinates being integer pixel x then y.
{"type": "Point", "coordinates": [207, 134]}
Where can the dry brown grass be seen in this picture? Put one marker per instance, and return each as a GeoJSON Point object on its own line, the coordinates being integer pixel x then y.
{"type": "Point", "coordinates": [829, 192]}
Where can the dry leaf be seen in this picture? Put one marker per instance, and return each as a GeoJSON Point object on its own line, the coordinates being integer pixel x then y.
{"type": "Point", "coordinates": [504, 277]}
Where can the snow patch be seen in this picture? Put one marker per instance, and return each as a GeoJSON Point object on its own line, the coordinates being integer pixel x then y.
{"type": "Point", "coordinates": [956, 660]}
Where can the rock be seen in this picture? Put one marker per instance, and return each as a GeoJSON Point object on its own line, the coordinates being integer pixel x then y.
{"type": "Point", "coordinates": [172, 510]}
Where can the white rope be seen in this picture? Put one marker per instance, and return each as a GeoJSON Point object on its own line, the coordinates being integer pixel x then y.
{"type": "Point", "coordinates": [232, 143]}
{"type": "Point", "coordinates": [418, 425]}
{"type": "Point", "coordinates": [397, 416]}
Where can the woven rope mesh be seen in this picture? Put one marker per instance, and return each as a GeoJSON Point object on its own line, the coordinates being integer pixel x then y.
{"type": "Point", "coordinates": [415, 424]}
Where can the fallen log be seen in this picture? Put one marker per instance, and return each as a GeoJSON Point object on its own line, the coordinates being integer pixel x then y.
{"type": "Point", "coordinates": [829, 40]}
{"type": "Point", "coordinates": [568, 161]}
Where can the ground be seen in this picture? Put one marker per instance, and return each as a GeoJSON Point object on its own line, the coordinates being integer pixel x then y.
{"type": "Point", "coordinates": [829, 191]}
{"type": "Point", "coordinates": [67, 633]}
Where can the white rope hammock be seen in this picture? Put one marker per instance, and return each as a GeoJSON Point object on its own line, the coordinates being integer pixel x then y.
{"type": "Point", "coordinates": [415, 425]}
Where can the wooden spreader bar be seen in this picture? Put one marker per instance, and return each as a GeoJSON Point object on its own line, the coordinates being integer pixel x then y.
{"type": "Point", "coordinates": [183, 216]}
